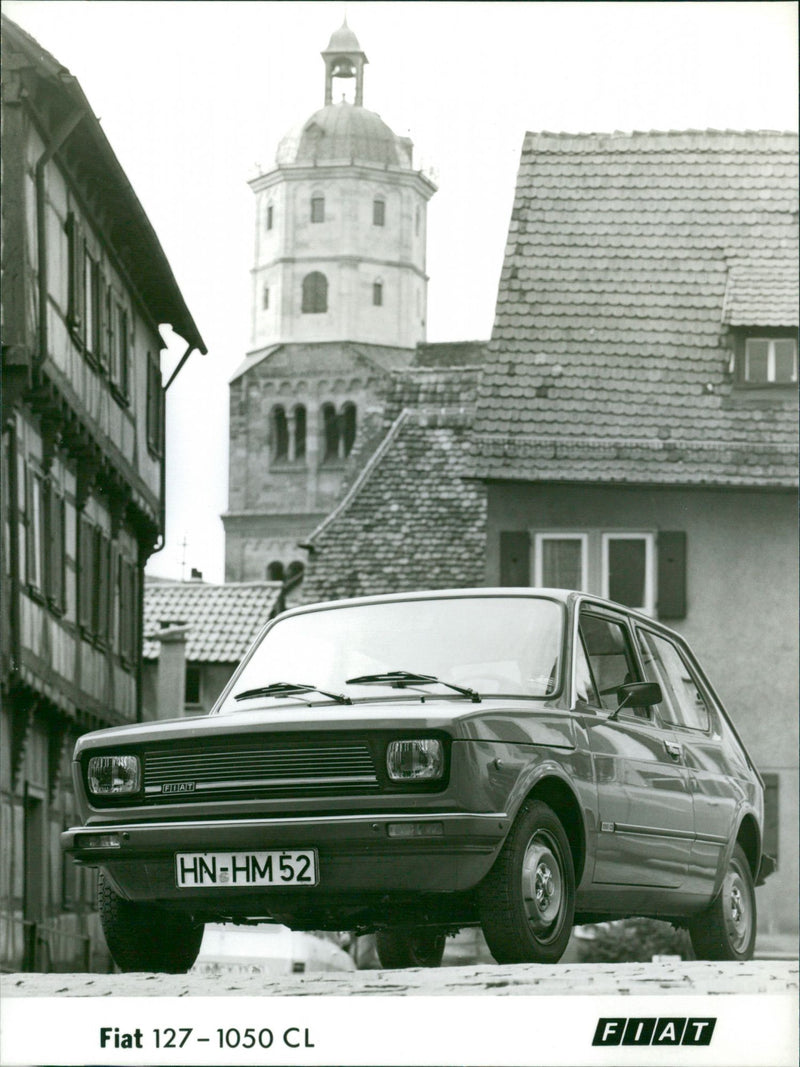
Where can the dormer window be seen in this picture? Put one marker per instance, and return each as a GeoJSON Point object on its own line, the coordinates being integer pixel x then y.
{"type": "Point", "coordinates": [769, 361]}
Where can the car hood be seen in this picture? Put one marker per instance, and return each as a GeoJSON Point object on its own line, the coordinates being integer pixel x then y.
{"type": "Point", "coordinates": [506, 719]}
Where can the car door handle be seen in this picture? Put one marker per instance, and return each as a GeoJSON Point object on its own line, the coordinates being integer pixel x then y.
{"type": "Point", "coordinates": [673, 749]}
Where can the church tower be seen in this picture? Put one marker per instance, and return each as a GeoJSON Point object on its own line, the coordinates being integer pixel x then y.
{"type": "Point", "coordinates": [339, 301]}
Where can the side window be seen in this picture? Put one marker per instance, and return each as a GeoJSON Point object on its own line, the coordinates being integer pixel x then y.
{"type": "Point", "coordinates": [610, 661]}
{"type": "Point", "coordinates": [683, 704]}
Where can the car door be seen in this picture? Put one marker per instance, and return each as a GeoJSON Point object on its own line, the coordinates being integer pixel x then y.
{"type": "Point", "coordinates": [645, 811]}
{"type": "Point", "coordinates": [716, 790]}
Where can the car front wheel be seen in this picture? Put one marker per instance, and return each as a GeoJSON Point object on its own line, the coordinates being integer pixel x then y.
{"type": "Point", "coordinates": [726, 930]}
{"type": "Point", "coordinates": [527, 901]}
{"type": "Point", "coordinates": [141, 937]}
{"type": "Point", "coordinates": [410, 947]}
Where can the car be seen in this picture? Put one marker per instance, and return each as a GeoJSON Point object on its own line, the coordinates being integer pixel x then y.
{"type": "Point", "coordinates": [522, 760]}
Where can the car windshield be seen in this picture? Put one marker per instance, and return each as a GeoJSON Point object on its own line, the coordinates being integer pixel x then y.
{"type": "Point", "coordinates": [494, 645]}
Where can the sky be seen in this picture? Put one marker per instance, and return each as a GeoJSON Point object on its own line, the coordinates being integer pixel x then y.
{"type": "Point", "coordinates": [194, 96]}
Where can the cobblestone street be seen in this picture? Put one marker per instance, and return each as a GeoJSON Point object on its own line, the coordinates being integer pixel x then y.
{"type": "Point", "coordinates": [758, 976]}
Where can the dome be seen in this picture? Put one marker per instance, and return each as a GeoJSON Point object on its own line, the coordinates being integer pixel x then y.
{"type": "Point", "coordinates": [343, 40]}
{"type": "Point", "coordinates": [344, 133]}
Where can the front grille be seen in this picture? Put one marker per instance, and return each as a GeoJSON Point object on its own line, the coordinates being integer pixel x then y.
{"type": "Point", "coordinates": [303, 768]}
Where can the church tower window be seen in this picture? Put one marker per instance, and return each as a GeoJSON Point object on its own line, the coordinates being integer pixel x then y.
{"type": "Point", "coordinates": [330, 431]}
{"type": "Point", "coordinates": [270, 216]}
{"type": "Point", "coordinates": [279, 434]}
{"type": "Point", "coordinates": [348, 428]}
{"type": "Point", "coordinates": [315, 293]}
{"type": "Point", "coordinates": [377, 293]}
{"type": "Point", "coordinates": [299, 426]}
{"type": "Point", "coordinates": [378, 212]}
{"type": "Point", "coordinates": [317, 208]}
{"type": "Point", "coordinates": [275, 571]}
{"type": "Point", "coordinates": [265, 298]}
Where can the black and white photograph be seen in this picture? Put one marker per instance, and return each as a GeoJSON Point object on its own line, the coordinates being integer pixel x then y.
{"type": "Point", "coordinates": [399, 470]}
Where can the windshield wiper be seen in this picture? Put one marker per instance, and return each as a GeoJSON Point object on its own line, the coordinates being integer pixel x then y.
{"type": "Point", "coordinates": [285, 689]}
{"type": "Point", "coordinates": [400, 679]}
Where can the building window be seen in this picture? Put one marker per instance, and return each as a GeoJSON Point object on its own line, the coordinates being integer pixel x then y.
{"type": "Point", "coordinates": [330, 432]}
{"type": "Point", "coordinates": [269, 216]}
{"type": "Point", "coordinates": [265, 298]}
{"type": "Point", "coordinates": [295, 569]}
{"type": "Point", "coordinates": [348, 428]}
{"type": "Point", "coordinates": [299, 432]}
{"type": "Point", "coordinates": [377, 294]}
{"type": "Point", "coordinates": [378, 212]}
{"type": "Point", "coordinates": [117, 345]}
{"type": "Point", "coordinates": [769, 361]}
{"type": "Point", "coordinates": [155, 406]}
{"type": "Point", "coordinates": [317, 208]}
{"type": "Point", "coordinates": [35, 536]}
{"type": "Point", "coordinates": [315, 293]}
{"type": "Point", "coordinates": [560, 561]}
{"type": "Point", "coordinates": [275, 571]}
{"type": "Point", "coordinates": [127, 578]}
{"type": "Point", "coordinates": [417, 221]}
{"type": "Point", "coordinates": [192, 686]}
{"type": "Point", "coordinates": [279, 443]}
{"type": "Point", "coordinates": [628, 571]}
{"type": "Point", "coordinates": [91, 304]}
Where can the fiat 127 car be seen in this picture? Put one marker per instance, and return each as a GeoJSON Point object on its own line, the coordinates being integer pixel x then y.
{"type": "Point", "coordinates": [518, 759]}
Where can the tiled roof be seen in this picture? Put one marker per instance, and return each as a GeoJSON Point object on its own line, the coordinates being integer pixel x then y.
{"type": "Point", "coordinates": [450, 353]}
{"type": "Point", "coordinates": [315, 353]}
{"type": "Point", "coordinates": [761, 292]}
{"type": "Point", "coordinates": [609, 359]}
{"type": "Point", "coordinates": [409, 520]}
{"type": "Point", "coordinates": [222, 620]}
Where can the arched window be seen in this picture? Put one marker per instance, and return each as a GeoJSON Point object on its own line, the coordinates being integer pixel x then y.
{"type": "Point", "coordinates": [317, 208]}
{"type": "Point", "coordinates": [295, 567]}
{"type": "Point", "coordinates": [330, 432]}
{"type": "Point", "coordinates": [270, 216]}
{"type": "Point", "coordinates": [275, 571]}
{"type": "Point", "coordinates": [299, 420]}
{"type": "Point", "coordinates": [348, 428]}
{"type": "Point", "coordinates": [315, 293]}
{"type": "Point", "coordinates": [279, 434]}
{"type": "Point", "coordinates": [378, 212]}
{"type": "Point", "coordinates": [377, 293]}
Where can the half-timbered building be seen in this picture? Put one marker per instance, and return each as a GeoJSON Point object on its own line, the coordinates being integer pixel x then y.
{"type": "Point", "coordinates": [85, 287]}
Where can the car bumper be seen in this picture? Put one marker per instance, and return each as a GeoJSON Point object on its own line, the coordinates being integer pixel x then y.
{"type": "Point", "coordinates": [448, 852]}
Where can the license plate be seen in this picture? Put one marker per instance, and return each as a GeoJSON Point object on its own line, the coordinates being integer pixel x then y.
{"type": "Point", "coordinates": [196, 870]}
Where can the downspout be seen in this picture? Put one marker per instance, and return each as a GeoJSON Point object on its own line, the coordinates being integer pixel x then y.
{"type": "Point", "coordinates": [57, 142]}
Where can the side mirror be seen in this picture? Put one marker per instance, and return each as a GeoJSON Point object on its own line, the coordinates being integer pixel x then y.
{"type": "Point", "coordinates": [637, 695]}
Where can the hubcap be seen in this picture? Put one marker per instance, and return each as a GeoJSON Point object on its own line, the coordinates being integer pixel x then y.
{"type": "Point", "coordinates": [543, 885]}
{"type": "Point", "coordinates": [738, 916]}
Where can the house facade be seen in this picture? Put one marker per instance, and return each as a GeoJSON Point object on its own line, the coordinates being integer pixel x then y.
{"type": "Point", "coordinates": [195, 635]}
{"type": "Point", "coordinates": [85, 287]}
{"type": "Point", "coordinates": [338, 302]}
{"type": "Point", "coordinates": [636, 423]}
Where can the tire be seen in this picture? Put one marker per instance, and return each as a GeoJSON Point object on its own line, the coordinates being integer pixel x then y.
{"type": "Point", "coordinates": [410, 947]}
{"type": "Point", "coordinates": [144, 938]}
{"type": "Point", "coordinates": [726, 930]}
{"type": "Point", "coordinates": [527, 901]}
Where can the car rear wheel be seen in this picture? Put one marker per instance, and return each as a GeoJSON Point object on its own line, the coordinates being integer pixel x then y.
{"type": "Point", "coordinates": [141, 937]}
{"type": "Point", "coordinates": [527, 901]}
{"type": "Point", "coordinates": [726, 930]}
{"type": "Point", "coordinates": [410, 947]}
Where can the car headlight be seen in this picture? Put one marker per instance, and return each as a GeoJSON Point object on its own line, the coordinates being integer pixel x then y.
{"type": "Point", "coordinates": [418, 760]}
{"type": "Point", "coordinates": [114, 775]}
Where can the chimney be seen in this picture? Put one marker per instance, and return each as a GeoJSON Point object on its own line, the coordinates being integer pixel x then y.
{"type": "Point", "coordinates": [171, 688]}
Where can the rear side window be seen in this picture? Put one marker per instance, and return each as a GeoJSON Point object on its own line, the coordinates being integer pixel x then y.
{"type": "Point", "coordinates": [683, 704]}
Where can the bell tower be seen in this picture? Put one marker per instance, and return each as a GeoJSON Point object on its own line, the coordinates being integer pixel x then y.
{"type": "Point", "coordinates": [344, 59]}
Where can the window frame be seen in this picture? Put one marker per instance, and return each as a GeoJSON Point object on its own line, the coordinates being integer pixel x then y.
{"type": "Point", "coordinates": [377, 293]}
{"type": "Point", "coordinates": [553, 535]}
{"type": "Point", "coordinates": [686, 659]}
{"type": "Point", "coordinates": [739, 355]}
{"type": "Point", "coordinates": [770, 379]}
{"type": "Point", "coordinates": [379, 211]}
{"type": "Point", "coordinates": [639, 716]}
{"type": "Point", "coordinates": [317, 210]}
{"type": "Point", "coordinates": [314, 290]}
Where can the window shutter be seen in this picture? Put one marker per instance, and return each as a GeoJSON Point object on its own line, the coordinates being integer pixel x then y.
{"type": "Point", "coordinates": [671, 574]}
{"type": "Point", "coordinates": [515, 557]}
{"type": "Point", "coordinates": [85, 575]}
